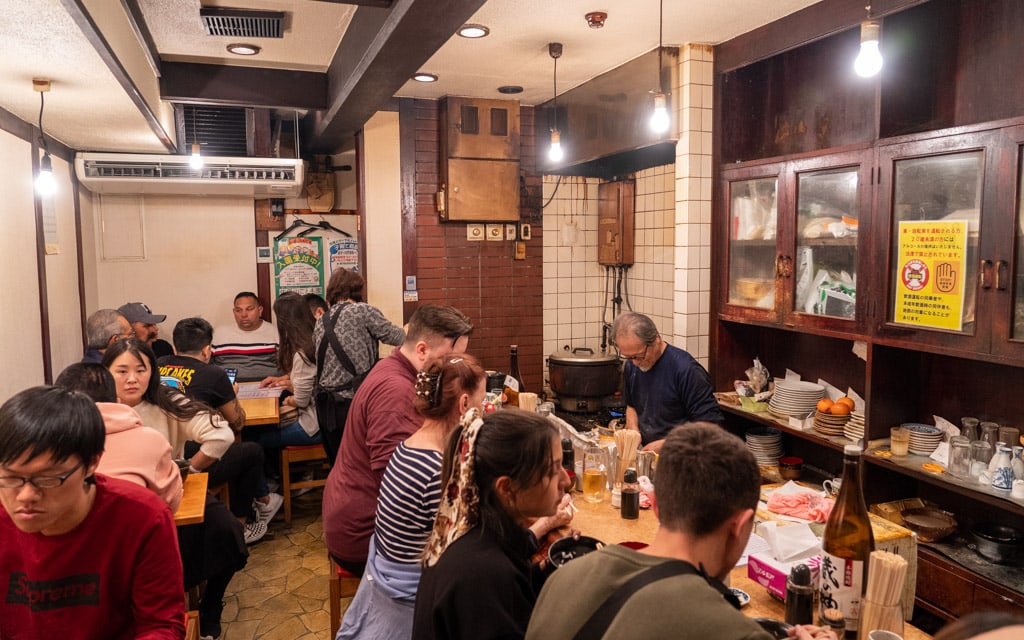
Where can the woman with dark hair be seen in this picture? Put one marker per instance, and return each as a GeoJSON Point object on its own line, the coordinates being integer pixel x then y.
{"type": "Point", "coordinates": [499, 473]}
{"type": "Point", "coordinates": [448, 388]}
{"type": "Point", "coordinates": [357, 329]}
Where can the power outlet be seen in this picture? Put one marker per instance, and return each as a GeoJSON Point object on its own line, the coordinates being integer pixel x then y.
{"type": "Point", "coordinates": [510, 232]}
{"type": "Point", "coordinates": [474, 232]}
{"type": "Point", "coordinates": [495, 232]}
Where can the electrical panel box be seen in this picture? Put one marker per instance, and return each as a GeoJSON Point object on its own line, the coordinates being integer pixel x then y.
{"type": "Point", "coordinates": [479, 160]}
{"type": "Point", "coordinates": [615, 217]}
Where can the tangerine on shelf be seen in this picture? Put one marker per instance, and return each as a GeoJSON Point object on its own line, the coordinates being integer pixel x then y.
{"type": "Point", "coordinates": [848, 401]}
{"type": "Point", "coordinates": [824, 405]}
{"type": "Point", "coordinates": [840, 409]}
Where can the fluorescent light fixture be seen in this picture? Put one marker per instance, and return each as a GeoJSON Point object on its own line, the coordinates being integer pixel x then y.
{"type": "Point", "coordinates": [243, 49]}
{"type": "Point", "coordinates": [473, 31]}
{"type": "Point", "coordinates": [425, 77]}
{"type": "Point", "coordinates": [869, 60]}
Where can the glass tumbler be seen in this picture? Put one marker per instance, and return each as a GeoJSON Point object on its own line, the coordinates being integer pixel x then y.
{"type": "Point", "coordinates": [981, 453]}
{"type": "Point", "coordinates": [1009, 436]}
{"type": "Point", "coordinates": [595, 473]}
{"type": "Point", "coordinates": [959, 457]}
{"type": "Point", "coordinates": [990, 434]}
{"type": "Point", "coordinates": [969, 428]}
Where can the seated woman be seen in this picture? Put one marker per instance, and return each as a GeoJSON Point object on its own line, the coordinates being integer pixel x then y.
{"type": "Point", "coordinates": [499, 473]}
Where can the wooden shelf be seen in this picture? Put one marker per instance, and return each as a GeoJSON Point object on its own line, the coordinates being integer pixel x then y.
{"type": "Point", "coordinates": [768, 420]}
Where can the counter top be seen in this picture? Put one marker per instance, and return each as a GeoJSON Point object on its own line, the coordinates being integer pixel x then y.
{"type": "Point", "coordinates": [603, 522]}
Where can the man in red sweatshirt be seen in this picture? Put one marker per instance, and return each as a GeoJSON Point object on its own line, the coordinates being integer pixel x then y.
{"type": "Point", "coordinates": [81, 555]}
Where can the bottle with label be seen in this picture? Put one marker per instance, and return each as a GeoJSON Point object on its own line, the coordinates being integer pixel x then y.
{"type": "Point", "coordinates": [514, 379]}
{"type": "Point", "coordinates": [630, 501]}
{"type": "Point", "coordinates": [846, 546]}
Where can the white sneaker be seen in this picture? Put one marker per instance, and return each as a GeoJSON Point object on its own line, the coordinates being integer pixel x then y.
{"type": "Point", "coordinates": [254, 531]}
{"type": "Point", "coordinates": [306, 477]}
{"type": "Point", "coordinates": [270, 508]}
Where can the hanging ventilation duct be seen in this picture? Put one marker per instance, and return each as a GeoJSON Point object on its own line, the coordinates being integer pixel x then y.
{"type": "Point", "coordinates": [172, 175]}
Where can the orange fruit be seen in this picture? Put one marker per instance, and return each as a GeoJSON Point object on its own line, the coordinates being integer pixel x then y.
{"type": "Point", "coordinates": [840, 409]}
{"type": "Point", "coordinates": [848, 401]}
{"type": "Point", "coordinates": [824, 405]}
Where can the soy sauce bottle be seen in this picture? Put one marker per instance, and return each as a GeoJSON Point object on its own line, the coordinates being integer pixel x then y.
{"type": "Point", "coordinates": [630, 507]}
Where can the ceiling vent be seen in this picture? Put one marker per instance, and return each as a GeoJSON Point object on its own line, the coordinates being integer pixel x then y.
{"type": "Point", "coordinates": [242, 23]}
{"type": "Point", "coordinates": [172, 175]}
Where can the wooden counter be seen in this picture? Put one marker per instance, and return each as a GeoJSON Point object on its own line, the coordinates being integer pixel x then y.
{"type": "Point", "coordinates": [604, 523]}
{"type": "Point", "coordinates": [193, 500]}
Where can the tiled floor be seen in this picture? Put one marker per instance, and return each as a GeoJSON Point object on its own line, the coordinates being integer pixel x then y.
{"type": "Point", "coordinates": [282, 593]}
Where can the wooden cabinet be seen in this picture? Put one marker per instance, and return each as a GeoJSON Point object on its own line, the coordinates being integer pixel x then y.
{"type": "Point", "coordinates": [935, 142]}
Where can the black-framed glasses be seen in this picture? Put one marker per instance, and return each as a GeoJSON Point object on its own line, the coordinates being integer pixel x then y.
{"type": "Point", "coordinates": [640, 356]}
{"type": "Point", "coordinates": [39, 482]}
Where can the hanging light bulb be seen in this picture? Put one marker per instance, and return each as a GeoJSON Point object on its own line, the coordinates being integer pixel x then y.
{"type": "Point", "coordinates": [660, 119]}
{"type": "Point", "coordinates": [869, 60]}
{"type": "Point", "coordinates": [46, 184]}
{"type": "Point", "coordinates": [555, 152]}
{"type": "Point", "coordinates": [196, 161]}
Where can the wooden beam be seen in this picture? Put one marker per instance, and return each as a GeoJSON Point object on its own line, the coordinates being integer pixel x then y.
{"type": "Point", "coordinates": [242, 86]}
{"type": "Point", "coordinates": [28, 132]}
{"type": "Point", "coordinates": [380, 51]}
{"type": "Point", "coordinates": [363, 3]}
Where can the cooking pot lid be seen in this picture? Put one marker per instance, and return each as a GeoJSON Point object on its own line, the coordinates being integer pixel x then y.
{"type": "Point", "coordinates": [582, 356]}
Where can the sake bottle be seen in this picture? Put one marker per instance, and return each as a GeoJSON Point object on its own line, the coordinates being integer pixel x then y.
{"type": "Point", "coordinates": [514, 379]}
{"type": "Point", "coordinates": [846, 546]}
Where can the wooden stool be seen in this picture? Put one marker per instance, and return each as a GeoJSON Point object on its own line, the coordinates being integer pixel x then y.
{"type": "Point", "coordinates": [298, 454]}
{"type": "Point", "coordinates": [222, 493]}
{"type": "Point", "coordinates": [343, 585]}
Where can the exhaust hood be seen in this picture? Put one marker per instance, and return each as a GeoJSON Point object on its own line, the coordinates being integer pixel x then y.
{"type": "Point", "coordinates": [605, 122]}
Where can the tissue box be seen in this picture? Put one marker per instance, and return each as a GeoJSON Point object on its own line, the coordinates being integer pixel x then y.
{"type": "Point", "coordinates": [770, 573]}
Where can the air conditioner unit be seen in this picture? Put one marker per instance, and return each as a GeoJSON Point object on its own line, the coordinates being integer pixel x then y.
{"type": "Point", "coordinates": [172, 175]}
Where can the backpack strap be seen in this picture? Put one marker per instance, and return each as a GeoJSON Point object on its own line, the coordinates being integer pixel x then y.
{"type": "Point", "coordinates": [339, 352]}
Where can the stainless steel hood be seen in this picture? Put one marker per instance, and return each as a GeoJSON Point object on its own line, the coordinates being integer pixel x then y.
{"type": "Point", "coordinates": [605, 122]}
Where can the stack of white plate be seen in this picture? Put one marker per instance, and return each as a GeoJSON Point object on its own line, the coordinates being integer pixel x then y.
{"type": "Point", "coordinates": [854, 429]}
{"type": "Point", "coordinates": [828, 424]}
{"type": "Point", "coordinates": [795, 398]}
{"type": "Point", "coordinates": [766, 445]}
{"type": "Point", "coordinates": [923, 438]}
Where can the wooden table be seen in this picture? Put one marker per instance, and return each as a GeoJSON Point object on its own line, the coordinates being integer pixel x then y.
{"type": "Point", "coordinates": [193, 500]}
{"type": "Point", "coordinates": [604, 523]}
{"type": "Point", "coordinates": [259, 410]}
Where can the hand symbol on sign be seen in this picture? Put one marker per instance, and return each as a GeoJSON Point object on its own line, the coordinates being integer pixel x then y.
{"type": "Point", "coordinates": [945, 277]}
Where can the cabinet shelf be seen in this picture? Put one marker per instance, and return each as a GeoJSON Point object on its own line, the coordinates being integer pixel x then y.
{"type": "Point", "coordinates": [833, 442]}
{"type": "Point", "coordinates": [910, 465]}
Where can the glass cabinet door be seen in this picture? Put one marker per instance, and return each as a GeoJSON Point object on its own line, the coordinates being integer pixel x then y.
{"type": "Point", "coordinates": [934, 267]}
{"type": "Point", "coordinates": [1017, 314]}
{"type": "Point", "coordinates": [825, 264]}
{"type": "Point", "coordinates": [753, 205]}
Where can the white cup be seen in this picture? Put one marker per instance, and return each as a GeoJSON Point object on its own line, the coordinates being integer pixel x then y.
{"type": "Point", "coordinates": [832, 486]}
{"type": "Point", "coordinates": [1018, 489]}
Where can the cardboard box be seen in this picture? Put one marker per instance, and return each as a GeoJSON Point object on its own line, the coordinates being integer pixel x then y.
{"type": "Point", "coordinates": [770, 573]}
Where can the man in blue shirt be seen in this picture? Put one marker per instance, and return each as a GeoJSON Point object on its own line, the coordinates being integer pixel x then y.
{"type": "Point", "coordinates": [664, 385]}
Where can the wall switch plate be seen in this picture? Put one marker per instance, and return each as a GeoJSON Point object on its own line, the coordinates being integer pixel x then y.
{"type": "Point", "coordinates": [495, 232]}
{"type": "Point", "coordinates": [474, 232]}
{"type": "Point", "coordinates": [510, 232]}
{"type": "Point", "coordinates": [524, 231]}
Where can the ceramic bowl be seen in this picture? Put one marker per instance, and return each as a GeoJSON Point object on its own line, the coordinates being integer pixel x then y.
{"type": "Point", "coordinates": [568, 548]}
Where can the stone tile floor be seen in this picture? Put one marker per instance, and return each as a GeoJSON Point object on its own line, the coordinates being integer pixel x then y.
{"type": "Point", "coordinates": [282, 593]}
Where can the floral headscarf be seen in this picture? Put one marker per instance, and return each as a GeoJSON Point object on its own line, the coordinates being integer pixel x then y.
{"type": "Point", "coordinates": [460, 501]}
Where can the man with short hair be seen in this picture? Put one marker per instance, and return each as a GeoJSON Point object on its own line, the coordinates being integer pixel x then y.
{"type": "Point", "coordinates": [707, 492]}
{"type": "Point", "coordinates": [382, 415]}
{"type": "Point", "coordinates": [102, 329]}
{"type": "Point", "coordinates": [664, 386]}
{"type": "Point", "coordinates": [190, 370]}
{"type": "Point", "coordinates": [249, 345]}
{"type": "Point", "coordinates": [144, 322]}
{"type": "Point", "coordinates": [81, 555]}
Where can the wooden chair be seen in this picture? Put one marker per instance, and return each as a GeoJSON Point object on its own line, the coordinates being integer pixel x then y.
{"type": "Point", "coordinates": [191, 625]}
{"type": "Point", "coordinates": [343, 585]}
{"type": "Point", "coordinates": [290, 455]}
{"type": "Point", "coordinates": [222, 493]}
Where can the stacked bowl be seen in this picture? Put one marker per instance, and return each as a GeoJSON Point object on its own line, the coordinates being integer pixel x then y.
{"type": "Point", "coordinates": [924, 438]}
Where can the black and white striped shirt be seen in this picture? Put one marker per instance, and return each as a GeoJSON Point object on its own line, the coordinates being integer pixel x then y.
{"type": "Point", "coordinates": [409, 497]}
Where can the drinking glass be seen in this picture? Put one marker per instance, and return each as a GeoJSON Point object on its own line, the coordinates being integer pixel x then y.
{"type": "Point", "coordinates": [1009, 435]}
{"type": "Point", "coordinates": [959, 457]}
{"type": "Point", "coordinates": [981, 453]}
{"type": "Point", "coordinates": [899, 441]}
{"type": "Point", "coordinates": [595, 473]}
{"type": "Point", "coordinates": [970, 428]}
{"type": "Point", "coordinates": [990, 434]}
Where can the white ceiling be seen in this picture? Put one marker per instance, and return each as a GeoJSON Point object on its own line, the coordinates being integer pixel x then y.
{"type": "Point", "coordinates": [89, 109]}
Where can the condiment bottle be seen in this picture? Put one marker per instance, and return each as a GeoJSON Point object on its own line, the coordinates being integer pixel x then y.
{"type": "Point", "coordinates": [846, 546]}
{"type": "Point", "coordinates": [833, 619]}
{"type": "Point", "coordinates": [630, 508]}
{"type": "Point", "coordinates": [514, 379]}
{"type": "Point", "coordinates": [799, 596]}
{"type": "Point", "coordinates": [569, 459]}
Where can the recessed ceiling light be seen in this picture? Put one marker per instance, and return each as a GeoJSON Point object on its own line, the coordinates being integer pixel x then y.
{"type": "Point", "coordinates": [425, 77]}
{"type": "Point", "coordinates": [510, 88]}
{"type": "Point", "coordinates": [242, 49]}
{"type": "Point", "coordinates": [473, 31]}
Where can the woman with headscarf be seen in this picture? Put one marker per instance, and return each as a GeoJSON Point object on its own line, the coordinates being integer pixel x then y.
{"type": "Point", "coordinates": [500, 472]}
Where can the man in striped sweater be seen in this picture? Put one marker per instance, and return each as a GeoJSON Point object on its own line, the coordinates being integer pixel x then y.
{"type": "Point", "coordinates": [251, 345]}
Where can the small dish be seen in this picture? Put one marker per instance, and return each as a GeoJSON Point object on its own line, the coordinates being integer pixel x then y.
{"type": "Point", "coordinates": [568, 548]}
{"type": "Point", "coordinates": [741, 595]}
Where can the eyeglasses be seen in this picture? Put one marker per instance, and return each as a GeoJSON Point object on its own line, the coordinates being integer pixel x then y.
{"type": "Point", "coordinates": [640, 356]}
{"type": "Point", "coordinates": [39, 482]}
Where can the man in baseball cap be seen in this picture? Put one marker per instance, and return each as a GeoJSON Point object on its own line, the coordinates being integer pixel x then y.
{"type": "Point", "coordinates": [144, 322]}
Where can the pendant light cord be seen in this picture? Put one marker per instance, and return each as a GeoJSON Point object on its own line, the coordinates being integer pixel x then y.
{"type": "Point", "coordinates": [661, 28]}
{"type": "Point", "coordinates": [554, 83]}
{"type": "Point", "coordinates": [42, 136]}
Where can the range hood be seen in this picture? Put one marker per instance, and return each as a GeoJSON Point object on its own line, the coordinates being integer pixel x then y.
{"type": "Point", "coordinates": [605, 122]}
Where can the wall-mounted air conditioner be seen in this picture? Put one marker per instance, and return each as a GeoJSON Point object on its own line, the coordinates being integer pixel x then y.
{"type": "Point", "coordinates": [172, 175]}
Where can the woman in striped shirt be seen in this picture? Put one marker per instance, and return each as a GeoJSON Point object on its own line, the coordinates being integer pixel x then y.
{"type": "Point", "coordinates": [410, 492]}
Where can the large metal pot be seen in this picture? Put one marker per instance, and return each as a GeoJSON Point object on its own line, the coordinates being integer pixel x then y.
{"type": "Point", "coordinates": [998, 543]}
{"type": "Point", "coordinates": [582, 375]}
